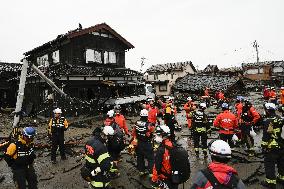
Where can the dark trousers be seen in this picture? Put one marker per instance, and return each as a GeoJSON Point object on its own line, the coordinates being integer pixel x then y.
{"type": "Point", "coordinates": [270, 160]}
{"type": "Point", "coordinates": [170, 184]}
{"type": "Point", "coordinates": [144, 151]}
{"type": "Point", "coordinates": [227, 138]}
{"type": "Point", "coordinates": [57, 140]}
{"type": "Point", "coordinates": [22, 175]}
{"type": "Point", "coordinates": [197, 136]}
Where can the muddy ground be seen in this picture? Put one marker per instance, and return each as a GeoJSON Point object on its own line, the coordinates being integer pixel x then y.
{"type": "Point", "coordinates": [66, 174]}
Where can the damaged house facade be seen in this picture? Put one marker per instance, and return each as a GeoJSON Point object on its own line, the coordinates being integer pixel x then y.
{"type": "Point", "coordinates": [265, 71]}
{"type": "Point", "coordinates": [164, 76]}
{"type": "Point", "coordinates": [88, 64]}
{"type": "Point", "coordinates": [8, 88]}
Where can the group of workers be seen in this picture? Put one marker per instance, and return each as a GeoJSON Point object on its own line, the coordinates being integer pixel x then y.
{"type": "Point", "coordinates": [153, 138]}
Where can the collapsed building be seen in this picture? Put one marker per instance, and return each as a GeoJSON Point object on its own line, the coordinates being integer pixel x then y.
{"type": "Point", "coordinates": [87, 64]}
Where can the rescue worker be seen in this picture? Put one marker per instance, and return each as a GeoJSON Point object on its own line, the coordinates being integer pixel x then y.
{"type": "Point", "coordinates": [227, 123]}
{"type": "Point", "coordinates": [162, 168]}
{"type": "Point", "coordinates": [169, 117]}
{"type": "Point", "coordinates": [109, 121]}
{"type": "Point", "coordinates": [249, 118]}
{"type": "Point", "coordinates": [281, 96]}
{"type": "Point", "coordinates": [207, 96]}
{"type": "Point", "coordinates": [218, 172]}
{"type": "Point", "coordinates": [273, 147]}
{"type": "Point", "coordinates": [272, 96]}
{"type": "Point", "coordinates": [143, 133]}
{"type": "Point", "coordinates": [56, 128]}
{"type": "Point", "coordinates": [266, 93]}
{"type": "Point", "coordinates": [200, 127]}
{"type": "Point", "coordinates": [153, 111]}
{"type": "Point", "coordinates": [98, 169]}
{"type": "Point", "coordinates": [120, 120]}
{"type": "Point", "coordinates": [189, 107]}
{"type": "Point", "coordinates": [221, 98]}
{"type": "Point", "coordinates": [20, 157]}
{"type": "Point", "coordinates": [239, 107]}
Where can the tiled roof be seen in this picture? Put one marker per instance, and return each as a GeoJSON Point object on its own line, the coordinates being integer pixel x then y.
{"type": "Point", "coordinates": [199, 82]}
{"type": "Point", "coordinates": [79, 32]}
{"type": "Point", "coordinates": [10, 67]}
{"type": "Point", "coordinates": [231, 69]}
{"type": "Point", "coordinates": [273, 63]}
{"type": "Point", "coordinates": [170, 67]}
{"type": "Point", "coordinates": [211, 69]}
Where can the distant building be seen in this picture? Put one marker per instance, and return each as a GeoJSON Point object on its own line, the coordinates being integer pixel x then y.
{"type": "Point", "coordinates": [264, 71]}
{"type": "Point", "coordinates": [210, 69]}
{"type": "Point", "coordinates": [163, 76]}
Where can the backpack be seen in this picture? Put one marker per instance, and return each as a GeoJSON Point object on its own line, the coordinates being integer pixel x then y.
{"type": "Point", "coordinates": [180, 164]}
{"type": "Point", "coordinates": [232, 184]}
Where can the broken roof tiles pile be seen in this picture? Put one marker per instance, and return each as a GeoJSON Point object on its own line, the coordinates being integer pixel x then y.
{"type": "Point", "coordinates": [169, 67]}
{"type": "Point", "coordinates": [199, 82]}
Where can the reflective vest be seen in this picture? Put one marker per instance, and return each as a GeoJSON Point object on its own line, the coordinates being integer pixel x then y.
{"type": "Point", "coordinates": [199, 121]}
{"type": "Point", "coordinates": [25, 155]}
{"type": "Point", "coordinates": [57, 125]}
{"type": "Point", "coordinates": [142, 130]}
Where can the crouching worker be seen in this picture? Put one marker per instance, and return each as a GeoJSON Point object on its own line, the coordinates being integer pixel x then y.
{"type": "Point", "coordinates": [20, 157]}
{"type": "Point", "coordinates": [218, 174]}
{"type": "Point", "coordinates": [98, 170]}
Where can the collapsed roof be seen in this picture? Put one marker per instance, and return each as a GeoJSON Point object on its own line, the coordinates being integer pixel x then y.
{"type": "Point", "coordinates": [194, 83]}
{"type": "Point", "coordinates": [169, 67]}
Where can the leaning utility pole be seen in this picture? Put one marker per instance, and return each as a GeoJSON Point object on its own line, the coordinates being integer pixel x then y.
{"type": "Point", "coordinates": [21, 93]}
{"type": "Point", "coordinates": [255, 45]}
{"type": "Point", "coordinates": [142, 63]}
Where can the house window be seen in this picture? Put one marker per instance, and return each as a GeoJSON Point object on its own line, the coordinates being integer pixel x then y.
{"type": "Point", "coordinates": [163, 87]}
{"type": "Point", "coordinates": [156, 76]}
{"type": "Point", "coordinates": [93, 56]}
{"type": "Point", "coordinates": [109, 57]}
{"type": "Point", "coordinates": [55, 56]}
{"type": "Point", "coordinates": [43, 61]}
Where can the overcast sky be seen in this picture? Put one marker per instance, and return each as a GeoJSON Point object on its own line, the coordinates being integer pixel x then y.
{"type": "Point", "coordinates": [202, 31]}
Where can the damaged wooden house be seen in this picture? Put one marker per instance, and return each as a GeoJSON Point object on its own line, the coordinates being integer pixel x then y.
{"type": "Point", "coordinates": [164, 76]}
{"type": "Point", "coordinates": [87, 64]}
{"type": "Point", "coordinates": [8, 88]}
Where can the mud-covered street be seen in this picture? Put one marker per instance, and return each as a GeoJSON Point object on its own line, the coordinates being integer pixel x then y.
{"type": "Point", "coordinates": [66, 174]}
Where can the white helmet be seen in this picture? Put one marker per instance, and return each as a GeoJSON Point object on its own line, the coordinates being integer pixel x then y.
{"type": "Point", "coordinates": [144, 113]}
{"type": "Point", "coordinates": [270, 106]}
{"type": "Point", "coordinates": [163, 130]}
{"type": "Point", "coordinates": [110, 113]}
{"type": "Point", "coordinates": [57, 111]}
{"type": "Point", "coordinates": [189, 98]}
{"type": "Point", "coordinates": [150, 99]}
{"type": "Point", "coordinates": [220, 148]}
{"type": "Point", "coordinates": [108, 130]}
{"type": "Point", "coordinates": [202, 105]}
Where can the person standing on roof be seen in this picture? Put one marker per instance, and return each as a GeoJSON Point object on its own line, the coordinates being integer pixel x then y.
{"type": "Point", "coordinates": [120, 120]}
{"type": "Point", "coordinates": [218, 173]}
{"type": "Point", "coordinates": [20, 157]}
{"type": "Point", "coordinates": [56, 128]}
{"type": "Point", "coordinates": [227, 123]}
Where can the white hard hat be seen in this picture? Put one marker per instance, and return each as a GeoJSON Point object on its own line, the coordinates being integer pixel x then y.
{"type": "Point", "coordinates": [108, 130]}
{"type": "Point", "coordinates": [57, 111]}
{"type": "Point", "coordinates": [270, 106]}
{"type": "Point", "coordinates": [220, 148]}
{"type": "Point", "coordinates": [144, 113]}
{"type": "Point", "coordinates": [202, 105]}
{"type": "Point", "coordinates": [150, 99]}
{"type": "Point", "coordinates": [110, 113]}
{"type": "Point", "coordinates": [163, 130]}
{"type": "Point", "coordinates": [282, 88]}
{"type": "Point", "coordinates": [189, 98]}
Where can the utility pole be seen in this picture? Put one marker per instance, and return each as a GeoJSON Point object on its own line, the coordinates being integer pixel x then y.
{"type": "Point", "coordinates": [255, 45]}
{"type": "Point", "coordinates": [142, 63]}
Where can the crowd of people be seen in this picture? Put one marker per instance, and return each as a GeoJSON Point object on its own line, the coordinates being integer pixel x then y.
{"type": "Point", "coordinates": [153, 142]}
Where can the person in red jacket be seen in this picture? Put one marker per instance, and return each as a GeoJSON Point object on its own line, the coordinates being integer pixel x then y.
{"type": "Point", "coordinates": [266, 93]}
{"type": "Point", "coordinates": [273, 96]}
{"type": "Point", "coordinates": [189, 107]}
{"type": "Point", "coordinates": [120, 120]}
{"type": "Point", "coordinates": [227, 122]}
{"type": "Point", "coordinates": [153, 111]}
{"type": "Point", "coordinates": [162, 167]}
{"type": "Point", "coordinates": [249, 118]}
{"type": "Point", "coordinates": [218, 172]}
{"type": "Point", "coordinates": [239, 107]}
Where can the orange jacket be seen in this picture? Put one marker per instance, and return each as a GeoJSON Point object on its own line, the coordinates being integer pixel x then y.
{"type": "Point", "coordinates": [282, 96]}
{"type": "Point", "coordinates": [221, 96]}
{"type": "Point", "coordinates": [272, 94]}
{"type": "Point", "coordinates": [227, 122]}
{"type": "Point", "coordinates": [162, 166]}
{"type": "Point", "coordinates": [239, 109]}
{"type": "Point", "coordinates": [120, 120]}
{"type": "Point", "coordinates": [254, 115]}
{"type": "Point", "coordinates": [206, 92]}
{"type": "Point", "coordinates": [152, 114]}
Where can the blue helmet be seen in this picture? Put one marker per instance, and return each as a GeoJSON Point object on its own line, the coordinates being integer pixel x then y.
{"type": "Point", "coordinates": [225, 106]}
{"type": "Point", "coordinates": [29, 132]}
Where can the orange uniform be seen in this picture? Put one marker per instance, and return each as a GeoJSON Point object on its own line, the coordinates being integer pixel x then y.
{"type": "Point", "coordinates": [188, 107]}
{"type": "Point", "coordinates": [227, 121]}
{"type": "Point", "coordinates": [120, 120]}
{"type": "Point", "coordinates": [239, 108]}
{"type": "Point", "coordinates": [152, 114]}
{"type": "Point", "coordinates": [282, 96]}
{"type": "Point", "coordinates": [272, 94]}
